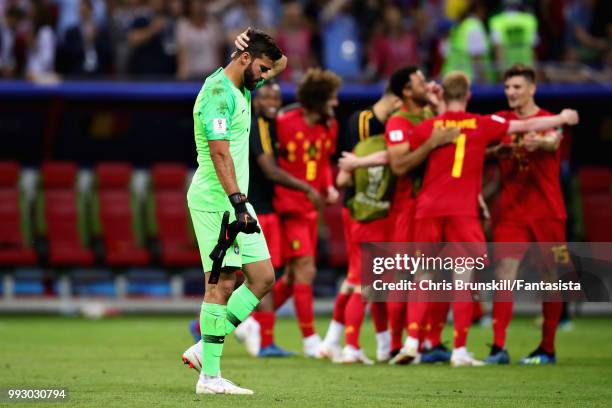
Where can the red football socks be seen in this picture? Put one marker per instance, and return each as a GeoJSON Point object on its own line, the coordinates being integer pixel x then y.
{"type": "Point", "coordinates": [355, 310]}
{"type": "Point", "coordinates": [302, 298]}
{"type": "Point", "coordinates": [281, 291]}
{"type": "Point", "coordinates": [340, 307]}
{"type": "Point", "coordinates": [502, 315]}
{"type": "Point", "coordinates": [378, 310]}
{"type": "Point", "coordinates": [552, 315]}
{"type": "Point", "coordinates": [266, 327]}
{"type": "Point", "coordinates": [397, 320]}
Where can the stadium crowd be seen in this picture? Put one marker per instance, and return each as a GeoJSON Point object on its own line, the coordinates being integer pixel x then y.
{"type": "Point", "coordinates": [361, 40]}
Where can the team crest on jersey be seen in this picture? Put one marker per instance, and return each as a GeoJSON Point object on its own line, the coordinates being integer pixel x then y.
{"type": "Point", "coordinates": [295, 244]}
{"type": "Point", "coordinates": [220, 125]}
{"type": "Point", "coordinates": [236, 249]}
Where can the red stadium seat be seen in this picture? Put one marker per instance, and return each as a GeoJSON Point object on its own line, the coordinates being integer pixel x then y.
{"type": "Point", "coordinates": [169, 218]}
{"type": "Point", "coordinates": [595, 180]}
{"type": "Point", "coordinates": [117, 217]}
{"type": "Point", "coordinates": [60, 218]}
{"type": "Point", "coordinates": [596, 194]}
{"type": "Point", "coordinates": [14, 246]}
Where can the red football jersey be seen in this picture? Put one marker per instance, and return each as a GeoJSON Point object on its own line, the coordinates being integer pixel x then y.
{"type": "Point", "coordinates": [399, 130]}
{"type": "Point", "coordinates": [304, 152]}
{"type": "Point", "coordinates": [453, 177]}
{"type": "Point", "coordinates": [530, 180]}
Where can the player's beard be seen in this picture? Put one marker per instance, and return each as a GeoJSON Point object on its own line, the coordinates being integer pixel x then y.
{"type": "Point", "coordinates": [421, 100]}
{"type": "Point", "coordinates": [249, 78]}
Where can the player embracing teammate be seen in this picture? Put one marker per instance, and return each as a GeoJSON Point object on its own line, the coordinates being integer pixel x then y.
{"type": "Point", "coordinates": [447, 204]}
{"type": "Point", "coordinates": [530, 209]}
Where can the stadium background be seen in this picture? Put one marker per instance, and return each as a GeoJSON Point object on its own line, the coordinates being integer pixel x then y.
{"type": "Point", "coordinates": [120, 110]}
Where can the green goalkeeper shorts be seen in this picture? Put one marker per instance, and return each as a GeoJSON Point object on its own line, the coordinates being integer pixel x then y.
{"type": "Point", "coordinates": [247, 248]}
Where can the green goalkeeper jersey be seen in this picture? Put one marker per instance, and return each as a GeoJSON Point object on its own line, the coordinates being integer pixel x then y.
{"type": "Point", "coordinates": [221, 112]}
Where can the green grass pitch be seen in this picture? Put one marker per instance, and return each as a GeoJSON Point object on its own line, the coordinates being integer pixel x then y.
{"type": "Point", "coordinates": [135, 361]}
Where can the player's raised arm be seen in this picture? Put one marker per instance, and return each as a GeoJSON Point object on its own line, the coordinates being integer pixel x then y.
{"type": "Point", "coordinates": [242, 43]}
{"type": "Point", "coordinates": [566, 117]}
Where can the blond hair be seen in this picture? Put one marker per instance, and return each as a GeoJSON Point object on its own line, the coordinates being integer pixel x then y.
{"type": "Point", "coordinates": [456, 86]}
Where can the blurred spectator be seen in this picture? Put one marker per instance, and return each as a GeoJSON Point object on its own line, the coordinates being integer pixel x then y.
{"type": "Point", "coordinates": [369, 15]}
{"type": "Point", "coordinates": [201, 43]}
{"type": "Point", "coordinates": [87, 47]}
{"type": "Point", "coordinates": [120, 15]}
{"type": "Point", "coordinates": [340, 38]}
{"type": "Point", "coordinates": [41, 43]}
{"type": "Point", "coordinates": [151, 40]}
{"type": "Point", "coordinates": [467, 48]}
{"type": "Point", "coordinates": [295, 39]}
{"type": "Point", "coordinates": [8, 32]}
{"type": "Point", "coordinates": [393, 46]}
{"type": "Point", "coordinates": [243, 14]}
{"type": "Point", "coordinates": [515, 36]}
{"type": "Point", "coordinates": [551, 19]}
{"type": "Point", "coordinates": [582, 32]}
{"type": "Point", "coordinates": [69, 12]}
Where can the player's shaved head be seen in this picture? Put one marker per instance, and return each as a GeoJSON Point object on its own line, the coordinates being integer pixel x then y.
{"type": "Point", "coordinates": [456, 86]}
{"type": "Point", "coordinates": [268, 100]}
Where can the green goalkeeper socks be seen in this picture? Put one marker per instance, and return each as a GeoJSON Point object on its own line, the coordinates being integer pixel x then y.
{"type": "Point", "coordinates": [239, 307]}
{"type": "Point", "coordinates": [212, 322]}
{"type": "Point", "coordinates": [217, 321]}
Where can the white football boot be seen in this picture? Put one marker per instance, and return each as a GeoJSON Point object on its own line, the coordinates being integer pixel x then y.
{"type": "Point", "coordinates": [408, 354]}
{"type": "Point", "coordinates": [462, 358]}
{"type": "Point", "coordinates": [383, 346]}
{"type": "Point", "coordinates": [219, 385]}
{"type": "Point", "coordinates": [312, 344]}
{"type": "Point", "coordinates": [350, 355]}
{"type": "Point", "coordinates": [193, 356]}
{"type": "Point", "coordinates": [248, 332]}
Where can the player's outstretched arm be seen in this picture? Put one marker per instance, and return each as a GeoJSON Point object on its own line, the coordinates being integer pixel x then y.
{"type": "Point", "coordinates": [566, 117]}
{"type": "Point", "coordinates": [350, 162]}
{"type": "Point", "coordinates": [279, 176]}
{"type": "Point", "coordinates": [403, 160]}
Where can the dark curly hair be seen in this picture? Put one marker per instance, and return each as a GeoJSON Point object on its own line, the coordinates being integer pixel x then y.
{"type": "Point", "coordinates": [316, 87]}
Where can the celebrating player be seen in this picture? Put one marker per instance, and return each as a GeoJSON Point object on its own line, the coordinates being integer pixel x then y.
{"type": "Point", "coordinates": [307, 137]}
{"type": "Point", "coordinates": [530, 208]}
{"type": "Point", "coordinates": [349, 306]}
{"type": "Point", "coordinates": [222, 118]}
{"type": "Point", "coordinates": [447, 204]}
{"type": "Point", "coordinates": [408, 84]}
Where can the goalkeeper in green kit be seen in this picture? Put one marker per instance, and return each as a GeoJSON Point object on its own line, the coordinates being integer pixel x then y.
{"type": "Point", "coordinates": [222, 120]}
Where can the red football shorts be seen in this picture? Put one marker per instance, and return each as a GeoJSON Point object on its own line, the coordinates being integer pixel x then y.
{"type": "Point", "coordinates": [452, 229]}
{"type": "Point", "coordinates": [361, 232]}
{"type": "Point", "coordinates": [270, 226]}
{"type": "Point", "coordinates": [541, 230]}
{"type": "Point", "coordinates": [299, 234]}
{"type": "Point", "coordinates": [401, 215]}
